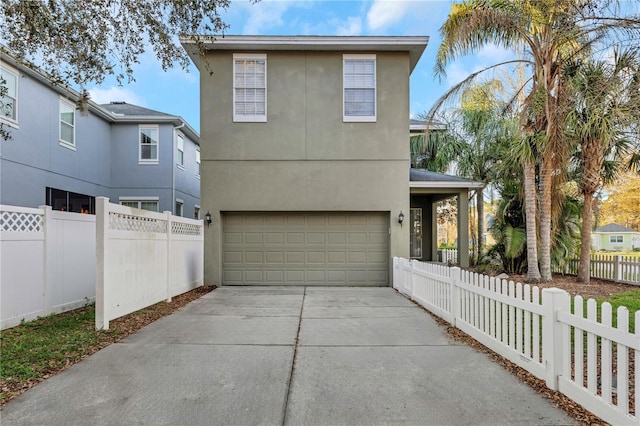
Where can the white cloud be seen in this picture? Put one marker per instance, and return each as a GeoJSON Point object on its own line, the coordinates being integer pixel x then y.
{"type": "Point", "coordinates": [352, 26]}
{"type": "Point", "coordinates": [264, 15]}
{"type": "Point", "coordinates": [114, 93]}
{"type": "Point", "coordinates": [384, 13]}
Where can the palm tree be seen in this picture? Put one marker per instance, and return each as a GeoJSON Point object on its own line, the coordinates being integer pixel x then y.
{"type": "Point", "coordinates": [605, 104]}
{"type": "Point", "coordinates": [548, 33]}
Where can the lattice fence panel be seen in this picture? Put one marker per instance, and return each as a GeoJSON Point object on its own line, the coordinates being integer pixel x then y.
{"type": "Point", "coordinates": [125, 222]}
{"type": "Point", "coordinates": [181, 228]}
{"type": "Point", "coordinates": [21, 222]}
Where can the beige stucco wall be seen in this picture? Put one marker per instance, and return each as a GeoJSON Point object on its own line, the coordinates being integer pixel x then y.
{"type": "Point", "coordinates": [304, 158]}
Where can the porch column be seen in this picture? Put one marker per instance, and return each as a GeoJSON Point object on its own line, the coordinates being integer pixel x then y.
{"type": "Point", "coordinates": [463, 229]}
{"type": "Point", "coordinates": [434, 231]}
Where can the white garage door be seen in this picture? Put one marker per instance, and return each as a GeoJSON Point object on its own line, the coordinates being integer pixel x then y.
{"type": "Point", "coordinates": [331, 248]}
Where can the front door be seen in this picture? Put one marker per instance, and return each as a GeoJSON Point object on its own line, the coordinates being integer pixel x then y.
{"type": "Point", "coordinates": [415, 245]}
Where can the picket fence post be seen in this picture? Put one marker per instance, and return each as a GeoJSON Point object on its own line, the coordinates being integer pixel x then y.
{"type": "Point", "coordinates": [554, 300]}
{"type": "Point", "coordinates": [617, 268]}
{"type": "Point", "coordinates": [454, 278]}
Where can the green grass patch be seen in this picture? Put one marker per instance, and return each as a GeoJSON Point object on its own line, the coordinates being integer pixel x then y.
{"type": "Point", "coordinates": [38, 348]}
{"type": "Point", "coordinates": [630, 299]}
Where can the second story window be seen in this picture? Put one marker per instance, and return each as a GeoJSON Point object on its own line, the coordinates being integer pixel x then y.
{"type": "Point", "coordinates": [250, 87]}
{"type": "Point", "coordinates": [180, 153]}
{"type": "Point", "coordinates": [148, 152]}
{"type": "Point", "coordinates": [359, 86]}
{"type": "Point", "coordinates": [9, 98]}
{"type": "Point", "coordinates": [67, 124]}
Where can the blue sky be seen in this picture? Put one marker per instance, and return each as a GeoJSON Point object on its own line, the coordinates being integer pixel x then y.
{"type": "Point", "coordinates": [177, 92]}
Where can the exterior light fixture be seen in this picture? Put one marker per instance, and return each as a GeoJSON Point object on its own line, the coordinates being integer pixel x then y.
{"type": "Point", "coordinates": [207, 218]}
{"type": "Point", "coordinates": [401, 218]}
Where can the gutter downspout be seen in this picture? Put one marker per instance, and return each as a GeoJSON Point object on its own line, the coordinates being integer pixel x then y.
{"type": "Point", "coordinates": [173, 167]}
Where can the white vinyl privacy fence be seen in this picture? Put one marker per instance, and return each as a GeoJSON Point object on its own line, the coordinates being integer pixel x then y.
{"type": "Point", "coordinates": [143, 258]}
{"type": "Point", "coordinates": [47, 262]}
{"type": "Point", "coordinates": [581, 355]}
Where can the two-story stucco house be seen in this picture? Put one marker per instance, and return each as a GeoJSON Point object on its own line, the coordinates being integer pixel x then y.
{"type": "Point", "coordinates": [305, 158]}
{"type": "Point", "coordinates": [62, 157]}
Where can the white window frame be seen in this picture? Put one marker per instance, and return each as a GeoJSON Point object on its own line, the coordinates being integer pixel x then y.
{"type": "Point", "coordinates": [11, 121]}
{"type": "Point", "coordinates": [157, 130]}
{"type": "Point", "coordinates": [179, 209]}
{"type": "Point", "coordinates": [180, 150]}
{"type": "Point", "coordinates": [198, 162]}
{"type": "Point", "coordinates": [139, 201]}
{"type": "Point", "coordinates": [65, 103]}
{"type": "Point", "coordinates": [196, 211]}
{"type": "Point", "coordinates": [616, 239]}
{"type": "Point", "coordinates": [359, 118]}
{"type": "Point", "coordinates": [257, 118]}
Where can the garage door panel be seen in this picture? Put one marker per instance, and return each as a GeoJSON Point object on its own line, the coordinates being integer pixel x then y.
{"type": "Point", "coordinates": [331, 248]}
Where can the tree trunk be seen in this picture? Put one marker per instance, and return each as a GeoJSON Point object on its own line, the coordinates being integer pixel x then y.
{"type": "Point", "coordinates": [546, 189]}
{"type": "Point", "coordinates": [533, 273]}
{"type": "Point", "coordinates": [584, 268]}
{"type": "Point", "coordinates": [480, 207]}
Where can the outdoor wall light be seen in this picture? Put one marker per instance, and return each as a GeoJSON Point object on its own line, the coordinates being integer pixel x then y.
{"type": "Point", "coordinates": [401, 218]}
{"type": "Point", "coordinates": [207, 217]}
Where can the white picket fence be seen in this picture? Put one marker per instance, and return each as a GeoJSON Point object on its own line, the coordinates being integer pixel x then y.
{"type": "Point", "coordinates": [539, 332]}
{"type": "Point", "coordinates": [617, 268]}
{"type": "Point", "coordinates": [47, 262]}
{"type": "Point", "coordinates": [143, 258]}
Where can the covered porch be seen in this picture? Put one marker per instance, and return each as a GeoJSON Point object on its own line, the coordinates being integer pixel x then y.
{"type": "Point", "coordinates": [426, 190]}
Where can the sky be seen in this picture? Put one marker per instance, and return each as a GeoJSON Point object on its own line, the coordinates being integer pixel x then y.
{"type": "Point", "coordinates": [177, 91]}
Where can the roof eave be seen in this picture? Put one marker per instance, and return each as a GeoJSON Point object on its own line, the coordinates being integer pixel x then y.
{"type": "Point", "coordinates": [415, 45]}
{"type": "Point", "coordinates": [445, 184]}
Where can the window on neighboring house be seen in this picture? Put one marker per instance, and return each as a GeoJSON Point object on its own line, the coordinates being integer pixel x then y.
{"type": "Point", "coordinates": [180, 143]}
{"type": "Point", "coordinates": [196, 212]}
{"type": "Point", "coordinates": [615, 239]}
{"type": "Point", "coordinates": [67, 123]}
{"type": "Point", "coordinates": [359, 86]}
{"type": "Point", "coordinates": [62, 200]}
{"type": "Point", "coordinates": [250, 87]}
{"type": "Point", "coordinates": [148, 144]}
{"type": "Point", "coordinates": [198, 163]}
{"type": "Point", "coordinates": [179, 204]}
{"type": "Point", "coordinates": [9, 100]}
{"type": "Point", "coordinates": [151, 205]}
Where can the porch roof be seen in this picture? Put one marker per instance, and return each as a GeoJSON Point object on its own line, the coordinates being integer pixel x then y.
{"type": "Point", "coordinates": [426, 179]}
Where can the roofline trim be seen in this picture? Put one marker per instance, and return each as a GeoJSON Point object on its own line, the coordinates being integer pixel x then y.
{"type": "Point", "coordinates": [450, 184]}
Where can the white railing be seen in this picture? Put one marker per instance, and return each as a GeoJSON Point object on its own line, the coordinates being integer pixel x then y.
{"type": "Point", "coordinates": [143, 258]}
{"type": "Point", "coordinates": [47, 262]}
{"type": "Point", "coordinates": [617, 268]}
{"type": "Point", "coordinates": [539, 332]}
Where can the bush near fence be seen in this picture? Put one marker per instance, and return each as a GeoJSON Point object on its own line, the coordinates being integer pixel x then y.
{"type": "Point", "coordinates": [583, 356]}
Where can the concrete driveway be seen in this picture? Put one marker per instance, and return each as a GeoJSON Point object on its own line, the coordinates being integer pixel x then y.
{"type": "Point", "coordinates": [286, 356]}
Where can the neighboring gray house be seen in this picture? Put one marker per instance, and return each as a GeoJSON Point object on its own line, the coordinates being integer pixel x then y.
{"type": "Point", "coordinates": [64, 158]}
{"type": "Point", "coordinates": [305, 159]}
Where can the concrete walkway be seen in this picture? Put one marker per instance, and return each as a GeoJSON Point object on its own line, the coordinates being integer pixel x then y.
{"type": "Point", "coordinates": [286, 356]}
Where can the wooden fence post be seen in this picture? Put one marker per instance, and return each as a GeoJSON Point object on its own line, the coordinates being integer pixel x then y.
{"type": "Point", "coordinates": [553, 301]}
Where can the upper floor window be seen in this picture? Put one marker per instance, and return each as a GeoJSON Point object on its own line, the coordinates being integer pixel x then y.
{"type": "Point", "coordinates": [148, 152]}
{"type": "Point", "coordinates": [198, 162]}
{"type": "Point", "coordinates": [9, 97]}
{"type": "Point", "coordinates": [67, 124]}
{"type": "Point", "coordinates": [250, 87]}
{"type": "Point", "coordinates": [359, 88]}
{"type": "Point", "coordinates": [180, 156]}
